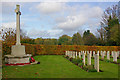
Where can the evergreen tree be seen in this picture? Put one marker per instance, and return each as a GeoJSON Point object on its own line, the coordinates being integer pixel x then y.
{"type": "Point", "coordinates": [64, 40]}
{"type": "Point", "coordinates": [89, 38]}
{"type": "Point", "coordinates": [76, 39]}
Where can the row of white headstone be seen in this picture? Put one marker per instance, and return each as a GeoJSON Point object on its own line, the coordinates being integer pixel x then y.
{"type": "Point", "coordinates": [74, 54]}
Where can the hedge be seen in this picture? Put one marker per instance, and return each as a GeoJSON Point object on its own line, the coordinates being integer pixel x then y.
{"type": "Point", "coordinates": [55, 49]}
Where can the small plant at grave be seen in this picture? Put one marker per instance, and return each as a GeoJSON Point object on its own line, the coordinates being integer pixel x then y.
{"type": "Point", "coordinates": [81, 60]}
{"type": "Point", "coordinates": [85, 68]}
{"type": "Point", "coordinates": [92, 70]}
{"type": "Point", "coordinates": [81, 65]}
{"type": "Point", "coordinates": [107, 60]}
{"type": "Point", "coordinates": [71, 59]}
{"type": "Point", "coordinates": [115, 62]}
{"type": "Point", "coordinates": [90, 67]}
{"type": "Point", "coordinates": [66, 57]}
{"type": "Point", "coordinates": [76, 61]}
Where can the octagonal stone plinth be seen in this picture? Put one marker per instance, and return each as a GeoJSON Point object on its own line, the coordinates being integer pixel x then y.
{"type": "Point", "coordinates": [10, 59]}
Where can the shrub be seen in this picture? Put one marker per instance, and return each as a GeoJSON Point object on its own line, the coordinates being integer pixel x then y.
{"type": "Point", "coordinates": [81, 60]}
{"type": "Point", "coordinates": [107, 60]}
{"type": "Point", "coordinates": [67, 57]}
{"type": "Point", "coordinates": [90, 67]}
{"type": "Point", "coordinates": [71, 59]}
{"type": "Point", "coordinates": [92, 70]}
{"type": "Point", "coordinates": [85, 68]}
{"type": "Point", "coordinates": [76, 61]}
{"type": "Point", "coordinates": [35, 49]}
{"type": "Point", "coordinates": [80, 64]}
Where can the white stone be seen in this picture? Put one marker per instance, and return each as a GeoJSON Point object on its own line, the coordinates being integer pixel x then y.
{"type": "Point", "coordinates": [112, 53]}
{"type": "Point", "coordinates": [73, 54]}
{"type": "Point", "coordinates": [115, 56]}
{"type": "Point", "coordinates": [98, 52]}
{"type": "Point", "coordinates": [65, 53]}
{"type": "Point", "coordinates": [83, 55]}
{"type": "Point", "coordinates": [13, 59]}
{"type": "Point", "coordinates": [102, 56]}
{"type": "Point", "coordinates": [79, 55]}
{"type": "Point", "coordinates": [76, 54]}
{"type": "Point", "coordinates": [81, 52]}
{"type": "Point", "coordinates": [18, 13]}
{"type": "Point", "coordinates": [108, 55]}
{"type": "Point", "coordinates": [70, 54]}
{"type": "Point", "coordinates": [104, 53]}
{"type": "Point", "coordinates": [93, 53]}
{"type": "Point", "coordinates": [118, 53]}
{"type": "Point", "coordinates": [96, 63]}
{"type": "Point", "coordinates": [101, 53]}
{"type": "Point", "coordinates": [85, 52]}
{"type": "Point", "coordinates": [88, 58]}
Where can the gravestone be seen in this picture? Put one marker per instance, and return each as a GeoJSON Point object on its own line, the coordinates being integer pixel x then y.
{"type": "Point", "coordinates": [102, 56]}
{"type": "Point", "coordinates": [93, 53]}
{"type": "Point", "coordinates": [88, 58]}
{"type": "Point", "coordinates": [118, 53]}
{"type": "Point", "coordinates": [112, 53]}
{"type": "Point", "coordinates": [96, 62]}
{"type": "Point", "coordinates": [98, 52]}
{"type": "Point", "coordinates": [108, 55]}
{"type": "Point", "coordinates": [18, 54]}
{"type": "Point", "coordinates": [76, 54]}
{"type": "Point", "coordinates": [83, 55]}
{"type": "Point", "coordinates": [79, 55]}
{"type": "Point", "coordinates": [101, 53]}
{"type": "Point", "coordinates": [115, 56]}
{"type": "Point", "coordinates": [70, 54]}
{"type": "Point", "coordinates": [73, 54]}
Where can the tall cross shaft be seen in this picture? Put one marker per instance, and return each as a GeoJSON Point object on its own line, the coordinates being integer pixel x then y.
{"type": "Point", "coordinates": [18, 13]}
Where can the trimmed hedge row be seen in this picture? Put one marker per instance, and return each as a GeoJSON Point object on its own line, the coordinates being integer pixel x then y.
{"type": "Point", "coordinates": [55, 49]}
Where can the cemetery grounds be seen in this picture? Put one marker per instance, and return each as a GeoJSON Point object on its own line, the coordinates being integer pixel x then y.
{"type": "Point", "coordinates": [57, 66]}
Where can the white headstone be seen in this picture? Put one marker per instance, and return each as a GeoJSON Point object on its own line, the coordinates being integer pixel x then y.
{"type": "Point", "coordinates": [118, 53]}
{"type": "Point", "coordinates": [73, 54]}
{"type": "Point", "coordinates": [83, 55]}
{"type": "Point", "coordinates": [104, 53]}
{"type": "Point", "coordinates": [102, 57]}
{"type": "Point", "coordinates": [93, 53]}
{"type": "Point", "coordinates": [76, 54]}
{"type": "Point", "coordinates": [98, 52]}
{"type": "Point", "coordinates": [108, 55]}
{"type": "Point", "coordinates": [112, 53]}
{"type": "Point", "coordinates": [79, 55]}
{"type": "Point", "coordinates": [96, 64]}
{"type": "Point", "coordinates": [115, 56]}
{"type": "Point", "coordinates": [88, 58]}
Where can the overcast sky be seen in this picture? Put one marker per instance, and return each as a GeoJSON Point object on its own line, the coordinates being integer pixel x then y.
{"type": "Point", "coordinates": [51, 20]}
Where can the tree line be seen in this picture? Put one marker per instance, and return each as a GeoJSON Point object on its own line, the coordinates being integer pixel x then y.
{"type": "Point", "coordinates": [109, 33]}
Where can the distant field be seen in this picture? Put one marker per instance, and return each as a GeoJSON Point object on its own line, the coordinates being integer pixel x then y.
{"type": "Point", "coordinates": [56, 66]}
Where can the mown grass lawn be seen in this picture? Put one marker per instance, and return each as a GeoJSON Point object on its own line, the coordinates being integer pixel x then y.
{"type": "Point", "coordinates": [56, 66]}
